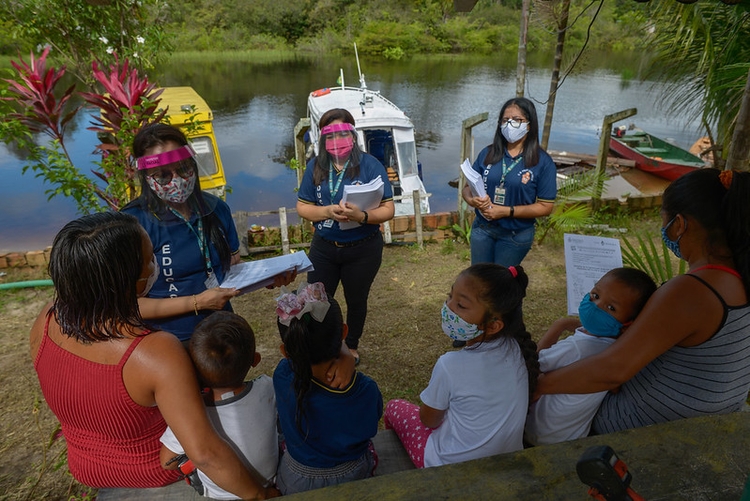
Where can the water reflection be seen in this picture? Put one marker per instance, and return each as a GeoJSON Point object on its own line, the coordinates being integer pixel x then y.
{"type": "Point", "coordinates": [257, 105]}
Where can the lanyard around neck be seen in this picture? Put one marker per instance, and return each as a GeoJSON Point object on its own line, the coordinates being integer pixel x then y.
{"type": "Point", "coordinates": [339, 177]}
{"type": "Point", "coordinates": [201, 236]}
{"type": "Point", "coordinates": [506, 170]}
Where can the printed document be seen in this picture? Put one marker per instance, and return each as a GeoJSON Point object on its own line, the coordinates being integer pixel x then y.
{"type": "Point", "coordinates": [474, 179]}
{"type": "Point", "coordinates": [587, 258]}
{"type": "Point", "coordinates": [365, 196]}
{"type": "Point", "coordinates": [253, 275]}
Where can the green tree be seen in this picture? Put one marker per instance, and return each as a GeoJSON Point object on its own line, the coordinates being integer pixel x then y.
{"type": "Point", "coordinates": [32, 107]}
{"type": "Point", "coordinates": [82, 31]}
{"type": "Point", "coordinates": [704, 50]}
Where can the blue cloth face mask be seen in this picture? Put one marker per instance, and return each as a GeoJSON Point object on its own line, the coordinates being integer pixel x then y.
{"type": "Point", "coordinates": [456, 327]}
{"type": "Point", "coordinates": [597, 321]}
{"type": "Point", "coordinates": [673, 245]}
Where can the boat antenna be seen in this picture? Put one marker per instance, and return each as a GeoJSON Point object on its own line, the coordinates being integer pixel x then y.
{"type": "Point", "coordinates": [341, 77]}
{"type": "Point", "coordinates": [359, 70]}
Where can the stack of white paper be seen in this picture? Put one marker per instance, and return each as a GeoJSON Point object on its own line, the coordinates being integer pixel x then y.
{"type": "Point", "coordinates": [252, 275]}
{"type": "Point", "coordinates": [474, 179]}
{"type": "Point", "coordinates": [365, 196]}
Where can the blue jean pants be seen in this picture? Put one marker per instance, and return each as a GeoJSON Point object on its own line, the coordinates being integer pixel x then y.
{"type": "Point", "coordinates": [293, 477]}
{"type": "Point", "coordinates": [491, 243]}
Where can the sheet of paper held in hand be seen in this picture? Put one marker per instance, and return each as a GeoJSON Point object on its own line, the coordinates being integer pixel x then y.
{"type": "Point", "coordinates": [474, 179]}
{"type": "Point", "coordinates": [587, 258]}
{"type": "Point", "coordinates": [253, 275]}
{"type": "Point", "coordinates": [365, 196]}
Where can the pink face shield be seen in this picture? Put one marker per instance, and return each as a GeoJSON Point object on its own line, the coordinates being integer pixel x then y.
{"type": "Point", "coordinates": [339, 139]}
{"type": "Point", "coordinates": [166, 158]}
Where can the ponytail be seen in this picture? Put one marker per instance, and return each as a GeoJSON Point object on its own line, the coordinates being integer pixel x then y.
{"type": "Point", "coordinates": [736, 213]}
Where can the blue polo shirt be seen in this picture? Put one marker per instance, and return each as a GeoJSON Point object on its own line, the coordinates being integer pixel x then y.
{"type": "Point", "coordinates": [182, 266]}
{"type": "Point", "coordinates": [523, 186]}
{"type": "Point", "coordinates": [338, 424]}
{"type": "Point", "coordinates": [369, 169]}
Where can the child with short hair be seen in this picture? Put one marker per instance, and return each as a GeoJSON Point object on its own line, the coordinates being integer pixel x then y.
{"type": "Point", "coordinates": [604, 313]}
{"type": "Point", "coordinates": [222, 348]}
{"type": "Point", "coordinates": [327, 430]}
{"type": "Point", "coordinates": [476, 402]}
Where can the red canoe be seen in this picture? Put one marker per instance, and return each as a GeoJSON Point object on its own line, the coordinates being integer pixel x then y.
{"type": "Point", "coordinates": [655, 155]}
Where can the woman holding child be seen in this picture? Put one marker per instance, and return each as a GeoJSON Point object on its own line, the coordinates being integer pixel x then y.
{"type": "Point", "coordinates": [113, 383]}
{"type": "Point", "coordinates": [688, 352]}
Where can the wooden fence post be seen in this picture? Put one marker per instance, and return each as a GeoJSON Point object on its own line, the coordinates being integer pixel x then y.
{"type": "Point", "coordinates": [284, 231]}
{"type": "Point", "coordinates": [417, 199]}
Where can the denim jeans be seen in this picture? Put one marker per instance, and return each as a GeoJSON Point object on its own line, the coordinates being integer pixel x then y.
{"type": "Point", "coordinates": [493, 244]}
{"type": "Point", "coordinates": [355, 267]}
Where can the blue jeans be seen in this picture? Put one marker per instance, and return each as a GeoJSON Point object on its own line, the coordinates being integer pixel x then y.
{"type": "Point", "coordinates": [493, 244]}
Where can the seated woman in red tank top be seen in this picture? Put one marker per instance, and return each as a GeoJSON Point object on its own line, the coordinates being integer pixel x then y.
{"type": "Point", "coordinates": [112, 383]}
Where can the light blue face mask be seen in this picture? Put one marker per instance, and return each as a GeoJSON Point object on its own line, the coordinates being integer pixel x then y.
{"type": "Point", "coordinates": [673, 245]}
{"type": "Point", "coordinates": [456, 327]}
{"type": "Point", "coordinates": [597, 321]}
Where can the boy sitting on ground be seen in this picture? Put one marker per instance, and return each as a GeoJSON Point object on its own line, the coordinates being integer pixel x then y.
{"type": "Point", "coordinates": [243, 412]}
{"type": "Point", "coordinates": [604, 314]}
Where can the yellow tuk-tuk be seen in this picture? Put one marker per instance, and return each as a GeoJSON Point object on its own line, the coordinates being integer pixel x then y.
{"type": "Point", "coordinates": [184, 103]}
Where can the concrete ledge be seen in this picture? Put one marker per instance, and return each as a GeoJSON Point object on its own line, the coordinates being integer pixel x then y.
{"type": "Point", "coordinates": [693, 459]}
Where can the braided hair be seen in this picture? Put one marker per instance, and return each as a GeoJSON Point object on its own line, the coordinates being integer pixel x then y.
{"type": "Point", "coordinates": [502, 291]}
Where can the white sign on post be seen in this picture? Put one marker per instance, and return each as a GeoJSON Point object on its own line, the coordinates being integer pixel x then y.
{"type": "Point", "coordinates": [587, 258]}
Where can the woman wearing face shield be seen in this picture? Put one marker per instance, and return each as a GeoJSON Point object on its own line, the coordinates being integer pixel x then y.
{"type": "Point", "coordinates": [351, 256]}
{"type": "Point", "coordinates": [192, 232]}
{"type": "Point", "coordinates": [520, 181]}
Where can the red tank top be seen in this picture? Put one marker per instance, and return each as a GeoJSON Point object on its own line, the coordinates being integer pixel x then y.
{"type": "Point", "coordinates": [112, 441]}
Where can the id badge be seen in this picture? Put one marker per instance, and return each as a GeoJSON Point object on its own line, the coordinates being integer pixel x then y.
{"type": "Point", "coordinates": [211, 281]}
{"type": "Point", "coordinates": [499, 195]}
{"type": "Point", "coordinates": [328, 223]}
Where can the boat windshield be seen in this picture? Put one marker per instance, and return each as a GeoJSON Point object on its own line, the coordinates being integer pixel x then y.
{"type": "Point", "coordinates": [204, 150]}
{"type": "Point", "coordinates": [406, 152]}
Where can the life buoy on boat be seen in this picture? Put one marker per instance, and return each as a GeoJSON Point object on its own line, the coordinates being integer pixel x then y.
{"type": "Point", "coordinates": [321, 92]}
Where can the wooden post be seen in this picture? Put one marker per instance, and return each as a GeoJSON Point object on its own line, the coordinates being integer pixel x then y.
{"type": "Point", "coordinates": [601, 158]}
{"type": "Point", "coordinates": [467, 151]}
{"type": "Point", "coordinates": [284, 231]}
{"type": "Point", "coordinates": [387, 231]}
{"type": "Point", "coordinates": [299, 146]}
{"type": "Point", "coordinates": [418, 217]}
{"type": "Point", "coordinates": [240, 224]}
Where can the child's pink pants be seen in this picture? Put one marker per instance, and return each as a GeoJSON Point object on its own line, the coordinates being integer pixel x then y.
{"type": "Point", "coordinates": [403, 418]}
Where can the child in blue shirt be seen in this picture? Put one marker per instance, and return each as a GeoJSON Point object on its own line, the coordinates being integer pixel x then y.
{"type": "Point", "coordinates": [327, 431]}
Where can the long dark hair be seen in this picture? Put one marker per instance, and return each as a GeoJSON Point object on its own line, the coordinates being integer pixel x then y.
{"type": "Point", "coordinates": [158, 134]}
{"type": "Point", "coordinates": [95, 264]}
{"type": "Point", "coordinates": [323, 159]}
{"type": "Point", "coordinates": [502, 294]}
{"type": "Point", "coordinates": [723, 212]}
{"type": "Point", "coordinates": [531, 146]}
{"type": "Point", "coordinates": [308, 342]}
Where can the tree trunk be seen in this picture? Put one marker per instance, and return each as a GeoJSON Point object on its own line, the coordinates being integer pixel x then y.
{"type": "Point", "coordinates": [562, 27]}
{"type": "Point", "coordinates": [521, 68]}
{"type": "Point", "coordinates": [738, 157]}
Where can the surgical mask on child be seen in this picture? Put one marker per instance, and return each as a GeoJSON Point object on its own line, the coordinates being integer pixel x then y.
{"type": "Point", "coordinates": [673, 245]}
{"type": "Point", "coordinates": [340, 147]}
{"type": "Point", "coordinates": [456, 327]}
{"type": "Point", "coordinates": [176, 191]}
{"type": "Point", "coordinates": [597, 321]}
{"type": "Point", "coordinates": [513, 134]}
{"type": "Point", "coordinates": [151, 278]}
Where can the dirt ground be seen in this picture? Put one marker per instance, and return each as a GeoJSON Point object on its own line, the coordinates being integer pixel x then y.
{"type": "Point", "coordinates": [401, 342]}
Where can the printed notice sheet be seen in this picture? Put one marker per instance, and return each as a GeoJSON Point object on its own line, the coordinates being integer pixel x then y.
{"type": "Point", "coordinates": [253, 275]}
{"type": "Point", "coordinates": [587, 258]}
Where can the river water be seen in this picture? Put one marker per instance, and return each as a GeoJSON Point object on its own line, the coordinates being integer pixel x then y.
{"type": "Point", "coordinates": [257, 105]}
